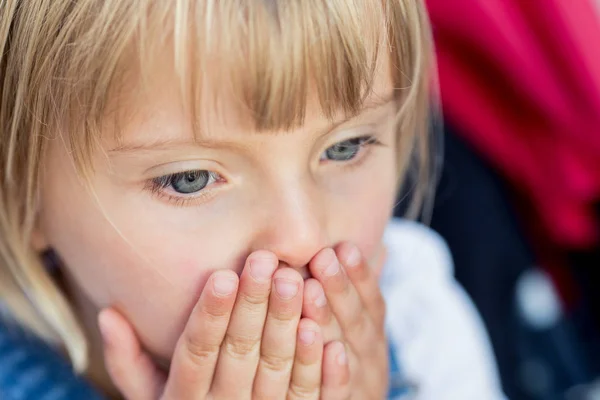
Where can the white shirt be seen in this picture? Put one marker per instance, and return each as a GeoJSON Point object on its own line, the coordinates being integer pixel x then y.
{"type": "Point", "coordinates": [434, 329]}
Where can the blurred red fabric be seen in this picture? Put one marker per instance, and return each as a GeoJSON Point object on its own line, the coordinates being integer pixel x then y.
{"type": "Point", "coordinates": [521, 79]}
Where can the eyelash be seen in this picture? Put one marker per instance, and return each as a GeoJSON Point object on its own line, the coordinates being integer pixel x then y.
{"type": "Point", "coordinates": [157, 186]}
{"type": "Point", "coordinates": [364, 142]}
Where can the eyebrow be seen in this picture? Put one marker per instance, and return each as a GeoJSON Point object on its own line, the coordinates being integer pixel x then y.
{"type": "Point", "coordinates": [207, 142]}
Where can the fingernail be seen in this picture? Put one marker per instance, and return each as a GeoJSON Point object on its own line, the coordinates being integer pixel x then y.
{"type": "Point", "coordinates": [104, 326]}
{"type": "Point", "coordinates": [286, 288]}
{"type": "Point", "coordinates": [223, 284]}
{"type": "Point", "coordinates": [262, 269]}
{"type": "Point", "coordinates": [353, 257]}
{"type": "Point", "coordinates": [307, 337]}
{"type": "Point", "coordinates": [342, 359]}
{"type": "Point", "coordinates": [333, 265]}
{"type": "Point", "coordinates": [319, 299]}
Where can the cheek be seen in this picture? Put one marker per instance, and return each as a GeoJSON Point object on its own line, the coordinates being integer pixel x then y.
{"type": "Point", "coordinates": [155, 291]}
{"type": "Point", "coordinates": [151, 272]}
{"type": "Point", "coordinates": [362, 215]}
{"type": "Point", "coordinates": [371, 220]}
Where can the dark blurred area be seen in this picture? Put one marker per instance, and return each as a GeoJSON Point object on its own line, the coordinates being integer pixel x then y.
{"type": "Point", "coordinates": [519, 196]}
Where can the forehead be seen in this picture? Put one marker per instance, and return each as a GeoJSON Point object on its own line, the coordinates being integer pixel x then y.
{"type": "Point", "coordinates": [160, 109]}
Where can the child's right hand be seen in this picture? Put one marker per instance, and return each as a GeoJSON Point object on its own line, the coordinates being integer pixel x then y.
{"type": "Point", "coordinates": [243, 340]}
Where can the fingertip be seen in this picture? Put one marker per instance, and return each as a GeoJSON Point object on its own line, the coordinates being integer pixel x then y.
{"type": "Point", "coordinates": [309, 332]}
{"type": "Point", "coordinates": [120, 341]}
{"type": "Point", "coordinates": [263, 255]}
{"type": "Point", "coordinates": [227, 273]}
{"type": "Point", "coordinates": [314, 300]}
{"type": "Point", "coordinates": [104, 325]}
{"type": "Point", "coordinates": [315, 293]}
{"type": "Point", "coordinates": [337, 352]}
{"type": "Point", "coordinates": [336, 370]}
{"type": "Point", "coordinates": [349, 255]}
{"type": "Point", "coordinates": [260, 266]}
{"type": "Point", "coordinates": [288, 273]}
{"type": "Point", "coordinates": [308, 323]}
{"type": "Point", "coordinates": [287, 283]}
{"type": "Point", "coordinates": [132, 372]}
{"type": "Point", "coordinates": [325, 264]}
{"type": "Point", "coordinates": [341, 357]}
{"type": "Point", "coordinates": [107, 324]}
{"type": "Point", "coordinates": [224, 282]}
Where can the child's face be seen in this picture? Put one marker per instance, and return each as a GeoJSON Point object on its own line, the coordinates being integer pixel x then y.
{"type": "Point", "coordinates": [147, 245]}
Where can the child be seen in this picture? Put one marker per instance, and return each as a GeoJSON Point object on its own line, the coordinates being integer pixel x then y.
{"type": "Point", "coordinates": [215, 178]}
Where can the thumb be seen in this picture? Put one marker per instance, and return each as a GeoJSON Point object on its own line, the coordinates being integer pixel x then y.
{"type": "Point", "coordinates": [132, 371]}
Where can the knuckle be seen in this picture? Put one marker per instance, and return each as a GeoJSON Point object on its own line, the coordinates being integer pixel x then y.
{"type": "Point", "coordinates": [298, 391]}
{"type": "Point", "coordinates": [337, 391]}
{"type": "Point", "coordinates": [347, 290]}
{"type": "Point", "coordinates": [344, 284]}
{"type": "Point", "coordinates": [283, 315]}
{"type": "Point", "coordinates": [358, 326]}
{"type": "Point", "coordinates": [214, 311]}
{"type": "Point", "coordinates": [360, 273]}
{"type": "Point", "coordinates": [329, 319]}
{"type": "Point", "coordinates": [241, 346]}
{"type": "Point", "coordinates": [254, 298]}
{"type": "Point", "coordinates": [199, 351]}
{"type": "Point", "coordinates": [337, 284]}
{"type": "Point", "coordinates": [275, 362]}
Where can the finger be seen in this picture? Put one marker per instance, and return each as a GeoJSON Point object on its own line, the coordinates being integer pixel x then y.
{"type": "Point", "coordinates": [197, 350]}
{"type": "Point", "coordinates": [364, 280]}
{"type": "Point", "coordinates": [336, 373]}
{"type": "Point", "coordinates": [131, 370]}
{"type": "Point", "coordinates": [279, 337]}
{"type": "Point", "coordinates": [315, 307]}
{"type": "Point", "coordinates": [307, 370]}
{"type": "Point", "coordinates": [357, 327]}
{"type": "Point", "coordinates": [240, 351]}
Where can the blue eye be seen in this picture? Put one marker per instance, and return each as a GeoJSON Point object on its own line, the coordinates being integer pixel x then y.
{"type": "Point", "coordinates": [348, 149]}
{"type": "Point", "coordinates": [187, 182]}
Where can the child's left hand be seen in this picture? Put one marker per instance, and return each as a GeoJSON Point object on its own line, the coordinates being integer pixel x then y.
{"type": "Point", "coordinates": [345, 300]}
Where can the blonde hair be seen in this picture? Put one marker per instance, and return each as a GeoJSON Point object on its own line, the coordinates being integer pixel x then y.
{"type": "Point", "coordinates": [61, 61]}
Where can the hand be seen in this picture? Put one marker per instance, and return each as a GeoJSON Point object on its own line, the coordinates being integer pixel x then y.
{"type": "Point", "coordinates": [345, 300]}
{"type": "Point", "coordinates": [244, 339]}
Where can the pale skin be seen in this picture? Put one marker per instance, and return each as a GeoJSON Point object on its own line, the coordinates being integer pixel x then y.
{"type": "Point", "coordinates": [172, 271]}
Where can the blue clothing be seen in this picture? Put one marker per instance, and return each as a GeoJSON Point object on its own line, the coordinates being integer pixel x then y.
{"type": "Point", "coordinates": [31, 370]}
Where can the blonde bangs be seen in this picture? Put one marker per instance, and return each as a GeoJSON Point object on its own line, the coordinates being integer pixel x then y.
{"type": "Point", "coordinates": [268, 55]}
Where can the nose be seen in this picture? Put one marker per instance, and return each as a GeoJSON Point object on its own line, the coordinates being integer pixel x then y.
{"type": "Point", "coordinates": [294, 227]}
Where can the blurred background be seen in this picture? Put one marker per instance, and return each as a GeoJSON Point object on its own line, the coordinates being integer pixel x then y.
{"type": "Point", "coordinates": [519, 196]}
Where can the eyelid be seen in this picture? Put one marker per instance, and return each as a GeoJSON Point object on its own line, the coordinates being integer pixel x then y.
{"type": "Point", "coordinates": [354, 133]}
{"type": "Point", "coordinates": [175, 167]}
